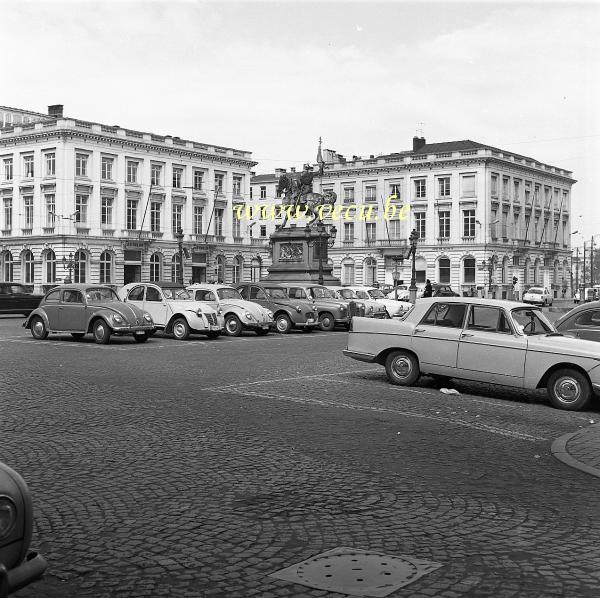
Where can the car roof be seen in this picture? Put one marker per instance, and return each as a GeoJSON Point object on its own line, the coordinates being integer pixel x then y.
{"type": "Point", "coordinates": [476, 301]}
{"type": "Point", "coordinates": [582, 307]}
{"type": "Point", "coordinates": [209, 285]}
{"type": "Point", "coordinates": [77, 286]}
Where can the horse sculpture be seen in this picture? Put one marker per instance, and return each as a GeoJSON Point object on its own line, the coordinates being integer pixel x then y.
{"type": "Point", "coordinates": [300, 200]}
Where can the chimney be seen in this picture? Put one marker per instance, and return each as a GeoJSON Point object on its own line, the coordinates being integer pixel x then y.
{"type": "Point", "coordinates": [56, 110]}
{"type": "Point", "coordinates": [279, 171]}
{"type": "Point", "coordinates": [418, 143]}
{"type": "Point", "coordinates": [293, 169]}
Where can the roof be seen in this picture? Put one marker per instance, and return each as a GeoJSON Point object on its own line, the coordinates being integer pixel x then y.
{"type": "Point", "coordinates": [263, 178]}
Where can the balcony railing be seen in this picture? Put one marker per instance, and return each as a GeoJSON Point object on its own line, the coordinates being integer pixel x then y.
{"type": "Point", "coordinates": [393, 242]}
{"type": "Point", "coordinates": [348, 243]}
{"type": "Point", "coordinates": [259, 241]}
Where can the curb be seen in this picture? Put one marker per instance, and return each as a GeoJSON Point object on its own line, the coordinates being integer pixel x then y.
{"type": "Point", "coordinates": [559, 450]}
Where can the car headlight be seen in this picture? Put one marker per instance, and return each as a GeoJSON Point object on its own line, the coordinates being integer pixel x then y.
{"type": "Point", "coordinates": [148, 318]}
{"type": "Point", "coordinates": [248, 315]}
{"type": "Point", "coordinates": [8, 517]}
{"type": "Point", "coordinates": [199, 312]}
{"type": "Point", "coordinates": [298, 309]}
{"type": "Point", "coordinates": [342, 306]}
{"type": "Point", "coordinates": [370, 308]}
{"type": "Point", "coordinates": [219, 312]}
{"type": "Point", "coordinates": [117, 319]}
{"type": "Point", "coordinates": [270, 313]}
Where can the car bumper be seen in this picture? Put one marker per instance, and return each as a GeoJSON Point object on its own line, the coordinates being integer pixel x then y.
{"type": "Point", "coordinates": [343, 320]}
{"type": "Point", "coordinates": [29, 570]}
{"type": "Point", "coordinates": [259, 325]}
{"type": "Point", "coordinates": [367, 357]}
{"type": "Point", "coordinates": [132, 329]}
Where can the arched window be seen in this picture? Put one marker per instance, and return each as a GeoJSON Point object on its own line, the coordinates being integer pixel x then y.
{"type": "Point", "coordinates": [556, 274]}
{"type": "Point", "coordinates": [50, 266]}
{"type": "Point", "coordinates": [536, 272]}
{"type": "Point", "coordinates": [106, 267]}
{"type": "Point", "coordinates": [7, 266]}
{"type": "Point", "coordinates": [444, 270]}
{"type": "Point", "coordinates": [155, 267]}
{"type": "Point", "coordinates": [220, 268]}
{"type": "Point", "coordinates": [27, 267]}
{"type": "Point", "coordinates": [469, 270]}
{"type": "Point", "coordinates": [238, 269]}
{"type": "Point", "coordinates": [526, 272]}
{"type": "Point", "coordinates": [504, 273]}
{"type": "Point", "coordinates": [348, 271]}
{"type": "Point", "coordinates": [420, 269]}
{"type": "Point", "coordinates": [370, 271]}
{"type": "Point", "coordinates": [175, 267]}
{"type": "Point", "coordinates": [80, 269]}
{"type": "Point", "coordinates": [256, 269]}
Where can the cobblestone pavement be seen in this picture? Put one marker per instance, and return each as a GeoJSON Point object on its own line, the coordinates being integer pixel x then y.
{"type": "Point", "coordinates": [198, 468]}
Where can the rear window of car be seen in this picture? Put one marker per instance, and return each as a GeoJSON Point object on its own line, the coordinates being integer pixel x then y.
{"type": "Point", "coordinates": [535, 291]}
{"type": "Point", "coordinates": [276, 293]}
{"type": "Point", "coordinates": [297, 293]}
{"type": "Point", "coordinates": [589, 318]}
{"type": "Point", "coordinates": [53, 297]}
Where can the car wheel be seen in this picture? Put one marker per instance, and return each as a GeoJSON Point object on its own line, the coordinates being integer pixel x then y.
{"type": "Point", "coordinates": [233, 326]}
{"type": "Point", "coordinates": [402, 368]}
{"type": "Point", "coordinates": [180, 329]}
{"type": "Point", "coordinates": [262, 331]}
{"type": "Point", "coordinates": [77, 335]}
{"type": "Point", "coordinates": [213, 334]}
{"type": "Point", "coordinates": [283, 323]}
{"type": "Point", "coordinates": [569, 389]}
{"type": "Point", "coordinates": [38, 329]}
{"type": "Point", "coordinates": [326, 322]}
{"type": "Point", "coordinates": [141, 337]}
{"type": "Point", "coordinates": [102, 332]}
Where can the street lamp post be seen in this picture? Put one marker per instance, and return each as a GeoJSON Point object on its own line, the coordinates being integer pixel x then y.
{"type": "Point", "coordinates": [412, 290]}
{"type": "Point", "coordinates": [489, 266]}
{"type": "Point", "coordinates": [69, 264]}
{"type": "Point", "coordinates": [179, 236]}
{"type": "Point", "coordinates": [322, 242]}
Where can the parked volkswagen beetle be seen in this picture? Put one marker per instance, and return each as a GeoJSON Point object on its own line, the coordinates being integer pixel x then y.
{"type": "Point", "coordinates": [582, 321]}
{"type": "Point", "coordinates": [18, 565]}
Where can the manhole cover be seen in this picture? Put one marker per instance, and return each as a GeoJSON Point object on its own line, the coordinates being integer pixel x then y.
{"type": "Point", "coordinates": [357, 572]}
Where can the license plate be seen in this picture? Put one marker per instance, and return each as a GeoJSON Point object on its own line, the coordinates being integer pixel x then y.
{"type": "Point", "coordinates": [265, 326]}
{"type": "Point", "coordinates": [310, 321]}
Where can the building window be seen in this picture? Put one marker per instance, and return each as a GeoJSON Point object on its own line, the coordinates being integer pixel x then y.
{"type": "Point", "coordinates": [27, 267]}
{"type": "Point", "coordinates": [420, 188]}
{"type": "Point", "coordinates": [237, 185]}
{"type": "Point", "coordinates": [516, 227]}
{"type": "Point", "coordinates": [50, 210]}
{"type": "Point", "coordinates": [219, 183]}
{"type": "Point", "coordinates": [255, 269]}
{"type": "Point", "coordinates": [468, 185]}
{"type": "Point", "coordinates": [263, 192]}
{"type": "Point", "coordinates": [371, 232]}
{"type": "Point", "coordinates": [50, 266]}
{"type": "Point", "coordinates": [8, 169]}
{"type": "Point", "coordinates": [81, 206]}
{"type": "Point", "coordinates": [220, 269]}
{"type": "Point", "coordinates": [494, 185]}
{"type": "Point", "coordinates": [348, 272]}
{"type": "Point", "coordinates": [348, 231]}
{"type": "Point", "coordinates": [238, 268]}
{"type": "Point", "coordinates": [176, 215]}
{"type": "Point", "coordinates": [444, 270]}
{"type": "Point", "coordinates": [263, 230]}
{"type": "Point", "coordinates": [505, 182]}
{"type": "Point", "coordinates": [107, 168]}
{"type": "Point", "coordinates": [155, 212]}
{"type": "Point", "coordinates": [236, 225]}
{"type": "Point", "coordinates": [28, 167]}
{"type": "Point", "coordinates": [444, 186]}
{"type": "Point", "coordinates": [468, 223]}
{"type": "Point", "coordinates": [7, 214]}
{"type": "Point", "coordinates": [527, 193]}
{"type": "Point", "coordinates": [370, 271]}
{"type": "Point", "coordinates": [444, 223]}
{"type": "Point", "coordinates": [348, 194]}
{"type": "Point", "coordinates": [536, 226]}
{"type": "Point", "coordinates": [80, 270]}
{"type": "Point", "coordinates": [106, 267]}
{"type": "Point", "coordinates": [106, 207]}
{"type": "Point", "coordinates": [536, 195]}
{"type": "Point", "coordinates": [175, 267]}
{"type": "Point", "coordinates": [198, 218]}
{"type": "Point", "coordinates": [420, 224]}
{"type": "Point", "coordinates": [155, 263]}
{"type": "Point", "coordinates": [132, 172]}
{"type": "Point", "coordinates": [395, 229]}
{"type": "Point", "coordinates": [177, 177]}
{"type": "Point", "coordinates": [469, 270]}
{"type": "Point", "coordinates": [517, 190]}
{"type": "Point", "coordinates": [198, 180]}
{"type": "Point", "coordinates": [81, 164]}
{"type": "Point", "coordinates": [156, 175]}
{"type": "Point", "coordinates": [50, 164]}
{"type": "Point", "coordinates": [395, 191]}
{"type": "Point", "coordinates": [371, 193]}
{"type": "Point", "coordinates": [219, 222]}
{"type": "Point", "coordinates": [7, 266]}
{"type": "Point", "coordinates": [131, 217]}
{"type": "Point", "coordinates": [28, 207]}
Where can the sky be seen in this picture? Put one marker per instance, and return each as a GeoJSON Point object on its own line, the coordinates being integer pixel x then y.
{"type": "Point", "coordinates": [273, 77]}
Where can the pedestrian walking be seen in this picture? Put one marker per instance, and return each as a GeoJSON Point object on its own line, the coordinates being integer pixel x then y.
{"type": "Point", "coordinates": [428, 292]}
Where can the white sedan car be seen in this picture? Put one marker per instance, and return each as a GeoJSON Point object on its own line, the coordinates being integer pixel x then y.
{"type": "Point", "coordinates": [394, 309]}
{"type": "Point", "coordinates": [537, 296]}
{"type": "Point", "coordinates": [485, 340]}
{"type": "Point", "coordinates": [173, 309]}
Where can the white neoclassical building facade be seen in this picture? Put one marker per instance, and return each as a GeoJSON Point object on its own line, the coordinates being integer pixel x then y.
{"type": "Point", "coordinates": [483, 216]}
{"type": "Point", "coordinates": [103, 204]}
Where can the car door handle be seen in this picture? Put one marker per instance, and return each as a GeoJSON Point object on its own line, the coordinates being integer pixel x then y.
{"type": "Point", "coordinates": [419, 329]}
{"type": "Point", "coordinates": [465, 334]}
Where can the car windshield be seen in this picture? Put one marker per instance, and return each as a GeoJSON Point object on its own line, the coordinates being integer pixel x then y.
{"type": "Point", "coordinates": [376, 294]}
{"type": "Point", "coordinates": [176, 294]}
{"type": "Point", "coordinates": [321, 293]}
{"type": "Point", "coordinates": [100, 294]}
{"type": "Point", "coordinates": [276, 293]}
{"type": "Point", "coordinates": [362, 295]}
{"type": "Point", "coordinates": [225, 293]}
{"type": "Point", "coordinates": [347, 294]}
{"type": "Point", "coordinates": [532, 321]}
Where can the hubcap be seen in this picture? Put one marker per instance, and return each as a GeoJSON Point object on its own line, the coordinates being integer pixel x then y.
{"type": "Point", "coordinates": [402, 367]}
{"type": "Point", "coordinates": [100, 331]}
{"type": "Point", "coordinates": [231, 325]}
{"type": "Point", "coordinates": [567, 389]}
{"type": "Point", "coordinates": [179, 329]}
{"type": "Point", "coordinates": [282, 324]}
{"type": "Point", "coordinates": [326, 322]}
{"type": "Point", "coordinates": [38, 327]}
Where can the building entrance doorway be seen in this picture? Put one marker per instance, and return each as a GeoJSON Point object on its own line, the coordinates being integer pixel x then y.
{"type": "Point", "coordinates": [132, 273]}
{"type": "Point", "coordinates": [198, 274]}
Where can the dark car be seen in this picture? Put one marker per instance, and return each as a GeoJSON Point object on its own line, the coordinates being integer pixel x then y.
{"type": "Point", "coordinates": [442, 290]}
{"type": "Point", "coordinates": [287, 313]}
{"type": "Point", "coordinates": [18, 565]}
{"type": "Point", "coordinates": [582, 321]}
{"type": "Point", "coordinates": [17, 299]}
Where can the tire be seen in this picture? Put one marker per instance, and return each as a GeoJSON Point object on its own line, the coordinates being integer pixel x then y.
{"type": "Point", "coordinates": [326, 322]}
{"type": "Point", "coordinates": [402, 368]}
{"type": "Point", "coordinates": [141, 337]}
{"type": "Point", "coordinates": [102, 332]}
{"type": "Point", "coordinates": [213, 334]}
{"type": "Point", "coordinates": [180, 329]}
{"type": "Point", "coordinates": [283, 324]}
{"type": "Point", "coordinates": [77, 335]}
{"type": "Point", "coordinates": [262, 331]}
{"type": "Point", "coordinates": [38, 328]}
{"type": "Point", "coordinates": [569, 389]}
{"type": "Point", "coordinates": [233, 326]}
